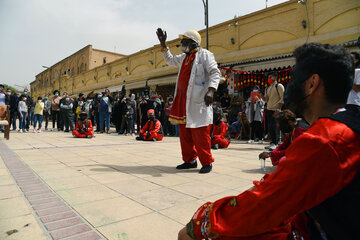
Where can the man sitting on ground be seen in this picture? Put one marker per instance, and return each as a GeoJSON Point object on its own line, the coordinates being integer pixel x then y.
{"type": "Point", "coordinates": [152, 131]}
{"type": "Point", "coordinates": [288, 125]}
{"type": "Point", "coordinates": [318, 179]}
{"type": "Point", "coordinates": [84, 127]}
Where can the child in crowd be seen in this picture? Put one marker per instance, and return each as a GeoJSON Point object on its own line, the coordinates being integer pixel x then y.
{"type": "Point", "coordinates": [129, 119]}
{"type": "Point", "coordinates": [38, 114]}
{"type": "Point", "coordinates": [23, 110]}
{"type": "Point", "coordinates": [84, 127]}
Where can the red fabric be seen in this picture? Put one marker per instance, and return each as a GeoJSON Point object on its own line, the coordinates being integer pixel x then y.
{"type": "Point", "coordinates": [279, 152]}
{"type": "Point", "coordinates": [178, 109]}
{"type": "Point", "coordinates": [153, 131]}
{"type": "Point", "coordinates": [89, 131]}
{"type": "Point", "coordinates": [196, 142]}
{"type": "Point", "coordinates": [218, 134]}
{"type": "Point", "coordinates": [316, 166]}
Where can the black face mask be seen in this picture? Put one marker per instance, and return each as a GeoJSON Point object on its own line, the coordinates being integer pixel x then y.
{"type": "Point", "coordinates": [151, 117]}
{"type": "Point", "coordinates": [187, 45]}
{"type": "Point", "coordinates": [285, 128]}
{"type": "Point", "coordinates": [217, 119]}
{"type": "Point", "coordinates": [294, 98]}
{"type": "Point", "coordinates": [82, 118]}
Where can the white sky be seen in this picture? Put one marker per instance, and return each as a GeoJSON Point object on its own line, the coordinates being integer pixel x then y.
{"type": "Point", "coordinates": [34, 33]}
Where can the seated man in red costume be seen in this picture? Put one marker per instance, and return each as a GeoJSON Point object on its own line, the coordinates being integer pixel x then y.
{"type": "Point", "coordinates": [152, 131]}
{"type": "Point", "coordinates": [315, 191]}
{"type": "Point", "coordinates": [84, 127]}
{"type": "Point", "coordinates": [288, 125]}
{"type": "Point", "coordinates": [219, 136]}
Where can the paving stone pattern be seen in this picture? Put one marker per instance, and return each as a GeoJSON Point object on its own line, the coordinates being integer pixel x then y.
{"type": "Point", "coordinates": [59, 220]}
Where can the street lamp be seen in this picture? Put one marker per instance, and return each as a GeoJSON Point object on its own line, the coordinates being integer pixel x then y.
{"type": "Point", "coordinates": [59, 77]}
{"type": "Point", "coordinates": [206, 8]}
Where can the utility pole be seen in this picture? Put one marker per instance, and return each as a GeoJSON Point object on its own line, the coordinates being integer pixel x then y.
{"type": "Point", "coordinates": [206, 8]}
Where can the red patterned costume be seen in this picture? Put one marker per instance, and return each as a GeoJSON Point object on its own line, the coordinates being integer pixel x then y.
{"type": "Point", "coordinates": [151, 130]}
{"type": "Point", "coordinates": [218, 135]}
{"type": "Point", "coordinates": [195, 142]}
{"type": "Point", "coordinates": [318, 168]}
{"type": "Point", "coordinates": [83, 129]}
{"type": "Point", "coordinates": [279, 152]}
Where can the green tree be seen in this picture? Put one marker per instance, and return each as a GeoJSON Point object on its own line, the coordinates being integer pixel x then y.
{"type": "Point", "coordinates": [6, 87]}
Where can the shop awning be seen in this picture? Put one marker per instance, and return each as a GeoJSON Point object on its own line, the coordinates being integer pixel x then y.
{"type": "Point", "coordinates": [163, 80]}
{"type": "Point", "coordinates": [116, 88]}
{"type": "Point", "coordinates": [134, 85]}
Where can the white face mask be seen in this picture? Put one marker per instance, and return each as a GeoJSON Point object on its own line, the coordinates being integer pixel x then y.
{"type": "Point", "coordinates": [24, 99]}
{"type": "Point", "coordinates": [8, 93]}
{"type": "Point", "coordinates": [67, 99]}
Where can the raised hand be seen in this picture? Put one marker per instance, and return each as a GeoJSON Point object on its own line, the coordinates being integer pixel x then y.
{"type": "Point", "coordinates": [162, 37]}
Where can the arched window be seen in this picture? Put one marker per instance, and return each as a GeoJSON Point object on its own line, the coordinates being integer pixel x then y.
{"type": "Point", "coordinates": [81, 68]}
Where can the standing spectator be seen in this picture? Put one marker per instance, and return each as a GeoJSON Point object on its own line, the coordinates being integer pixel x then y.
{"type": "Point", "coordinates": [196, 84]}
{"type": "Point", "coordinates": [169, 129]}
{"type": "Point", "coordinates": [66, 107]}
{"type": "Point", "coordinates": [13, 109]}
{"type": "Point", "coordinates": [225, 101]}
{"type": "Point", "coordinates": [274, 97]}
{"type": "Point", "coordinates": [22, 109]}
{"type": "Point", "coordinates": [105, 111]}
{"type": "Point", "coordinates": [55, 110]}
{"type": "Point", "coordinates": [129, 119]}
{"type": "Point", "coordinates": [235, 107]}
{"type": "Point", "coordinates": [31, 105]}
{"type": "Point", "coordinates": [254, 113]}
{"type": "Point", "coordinates": [2, 101]}
{"type": "Point", "coordinates": [134, 106]}
{"type": "Point", "coordinates": [38, 114]}
{"type": "Point", "coordinates": [95, 111]}
{"type": "Point", "coordinates": [47, 110]}
{"type": "Point", "coordinates": [354, 94]}
{"type": "Point", "coordinates": [76, 109]}
{"type": "Point", "coordinates": [87, 108]}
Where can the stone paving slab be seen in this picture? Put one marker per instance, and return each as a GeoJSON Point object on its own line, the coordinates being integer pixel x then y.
{"type": "Point", "coordinates": [114, 187]}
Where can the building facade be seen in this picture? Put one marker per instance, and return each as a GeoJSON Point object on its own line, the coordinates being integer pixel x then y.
{"type": "Point", "coordinates": [255, 42]}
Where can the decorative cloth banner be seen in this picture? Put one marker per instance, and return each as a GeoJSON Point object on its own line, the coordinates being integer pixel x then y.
{"type": "Point", "coordinates": [238, 80]}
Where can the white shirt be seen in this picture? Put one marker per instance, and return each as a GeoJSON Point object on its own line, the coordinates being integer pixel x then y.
{"type": "Point", "coordinates": [204, 74]}
{"type": "Point", "coordinates": [2, 98]}
{"type": "Point", "coordinates": [354, 97]}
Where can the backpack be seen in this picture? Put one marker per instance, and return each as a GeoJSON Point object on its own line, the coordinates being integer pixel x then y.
{"type": "Point", "coordinates": [103, 106]}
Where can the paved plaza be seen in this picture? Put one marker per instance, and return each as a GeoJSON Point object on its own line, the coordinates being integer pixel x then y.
{"type": "Point", "coordinates": [53, 186]}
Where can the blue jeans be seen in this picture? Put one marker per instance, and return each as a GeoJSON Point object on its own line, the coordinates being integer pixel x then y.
{"type": "Point", "coordinates": [104, 116]}
{"type": "Point", "coordinates": [272, 126]}
{"type": "Point", "coordinates": [13, 116]}
{"type": "Point", "coordinates": [23, 121]}
{"type": "Point", "coordinates": [38, 118]}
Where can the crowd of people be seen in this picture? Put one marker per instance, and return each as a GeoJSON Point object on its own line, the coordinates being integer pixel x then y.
{"type": "Point", "coordinates": [314, 192]}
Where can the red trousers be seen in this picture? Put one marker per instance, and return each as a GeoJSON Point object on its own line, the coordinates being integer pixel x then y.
{"type": "Point", "coordinates": [151, 136]}
{"type": "Point", "coordinates": [222, 142]}
{"type": "Point", "coordinates": [196, 142]}
{"type": "Point", "coordinates": [82, 135]}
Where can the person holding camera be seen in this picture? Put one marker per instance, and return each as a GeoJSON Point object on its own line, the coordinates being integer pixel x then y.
{"type": "Point", "coordinates": [152, 131]}
{"type": "Point", "coordinates": [84, 127]}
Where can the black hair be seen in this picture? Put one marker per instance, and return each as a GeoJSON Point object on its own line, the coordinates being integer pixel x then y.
{"type": "Point", "coordinates": [39, 98]}
{"type": "Point", "coordinates": [273, 73]}
{"type": "Point", "coordinates": [81, 94]}
{"type": "Point", "coordinates": [333, 64]}
{"type": "Point", "coordinates": [357, 57]}
{"type": "Point", "coordinates": [1, 85]}
{"type": "Point", "coordinates": [56, 91]}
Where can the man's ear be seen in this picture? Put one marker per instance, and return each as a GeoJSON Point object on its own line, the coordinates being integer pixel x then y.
{"type": "Point", "coordinates": [312, 84]}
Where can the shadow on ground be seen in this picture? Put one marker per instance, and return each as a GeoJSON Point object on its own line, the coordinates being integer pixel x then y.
{"type": "Point", "coordinates": [154, 170]}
